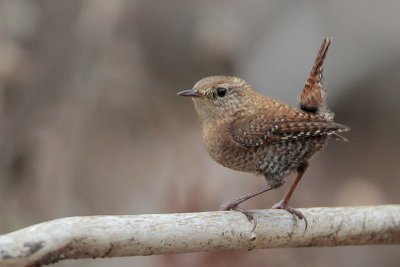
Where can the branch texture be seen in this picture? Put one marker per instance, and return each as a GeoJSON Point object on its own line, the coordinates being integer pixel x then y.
{"type": "Point", "coordinates": [118, 236]}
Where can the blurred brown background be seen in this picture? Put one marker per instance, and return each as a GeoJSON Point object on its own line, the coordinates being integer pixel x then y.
{"type": "Point", "coordinates": [91, 124]}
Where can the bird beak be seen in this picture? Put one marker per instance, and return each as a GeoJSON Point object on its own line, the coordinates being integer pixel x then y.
{"type": "Point", "coordinates": [190, 92]}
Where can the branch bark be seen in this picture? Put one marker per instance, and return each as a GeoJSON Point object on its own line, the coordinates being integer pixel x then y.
{"type": "Point", "coordinates": [118, 236]}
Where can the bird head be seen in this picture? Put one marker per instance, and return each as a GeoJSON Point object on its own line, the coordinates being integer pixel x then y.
{"type": "Point", "coordinates": [219, 96]}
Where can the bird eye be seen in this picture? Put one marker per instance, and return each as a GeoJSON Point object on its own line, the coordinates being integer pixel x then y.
{"type": "Point", "coordinates": [221, 91]}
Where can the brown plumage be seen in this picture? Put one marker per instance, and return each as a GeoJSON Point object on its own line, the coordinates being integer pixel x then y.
{"type": "Point", "coordinates": [247, 131]}
{"type": "Point", "coordinates": [313, 98]}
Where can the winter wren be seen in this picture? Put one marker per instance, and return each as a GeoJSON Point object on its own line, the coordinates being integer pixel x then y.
{"type": "Point", "coordinates": [250, 132]}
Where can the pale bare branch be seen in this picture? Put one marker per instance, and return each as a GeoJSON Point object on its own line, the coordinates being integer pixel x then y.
{"type": "Point", "coordinates": [118, 236]}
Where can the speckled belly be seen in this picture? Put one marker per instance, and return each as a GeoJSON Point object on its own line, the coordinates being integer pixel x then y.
{"type": "Point", "coordinates": [275, 160]}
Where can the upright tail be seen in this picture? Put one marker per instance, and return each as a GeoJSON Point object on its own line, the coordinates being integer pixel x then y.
{"type": "Point", "coordinates": [313, 98]}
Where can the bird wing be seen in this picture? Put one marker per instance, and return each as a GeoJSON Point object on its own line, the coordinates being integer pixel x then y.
{"type": "Point", "coordinates": [257, 129]}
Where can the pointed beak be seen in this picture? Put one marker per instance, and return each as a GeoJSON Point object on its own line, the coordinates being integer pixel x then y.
{"type": "Point", "coordinates": [190, 92]}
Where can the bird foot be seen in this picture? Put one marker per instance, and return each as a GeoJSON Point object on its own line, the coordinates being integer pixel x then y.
{"type": "Point", "coordinates": [233, 205]}
{"type": "Point", "coordinates": [298, 213]}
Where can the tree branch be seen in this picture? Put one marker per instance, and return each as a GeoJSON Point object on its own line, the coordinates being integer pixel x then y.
{"type": "Point", "coordinates": [117, 236]}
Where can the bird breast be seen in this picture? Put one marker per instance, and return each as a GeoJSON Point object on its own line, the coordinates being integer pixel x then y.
{"type": "Point", "coordinates": [221, 147]}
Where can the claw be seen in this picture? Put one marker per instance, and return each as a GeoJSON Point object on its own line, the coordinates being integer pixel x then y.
{"type": "Point", "coordinates": [298, 213]}
{"type": "Point", "coordinates": [233, 205]}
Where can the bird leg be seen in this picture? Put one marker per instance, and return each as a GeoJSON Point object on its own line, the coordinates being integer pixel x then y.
{"type": "Point", "coordinates": [283, 204]}
{"type": "Point", "coordinates": [234, 203]}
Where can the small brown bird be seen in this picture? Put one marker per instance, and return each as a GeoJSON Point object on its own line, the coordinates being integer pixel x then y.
{"type": "Point", "coordinates": [250, 132]}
